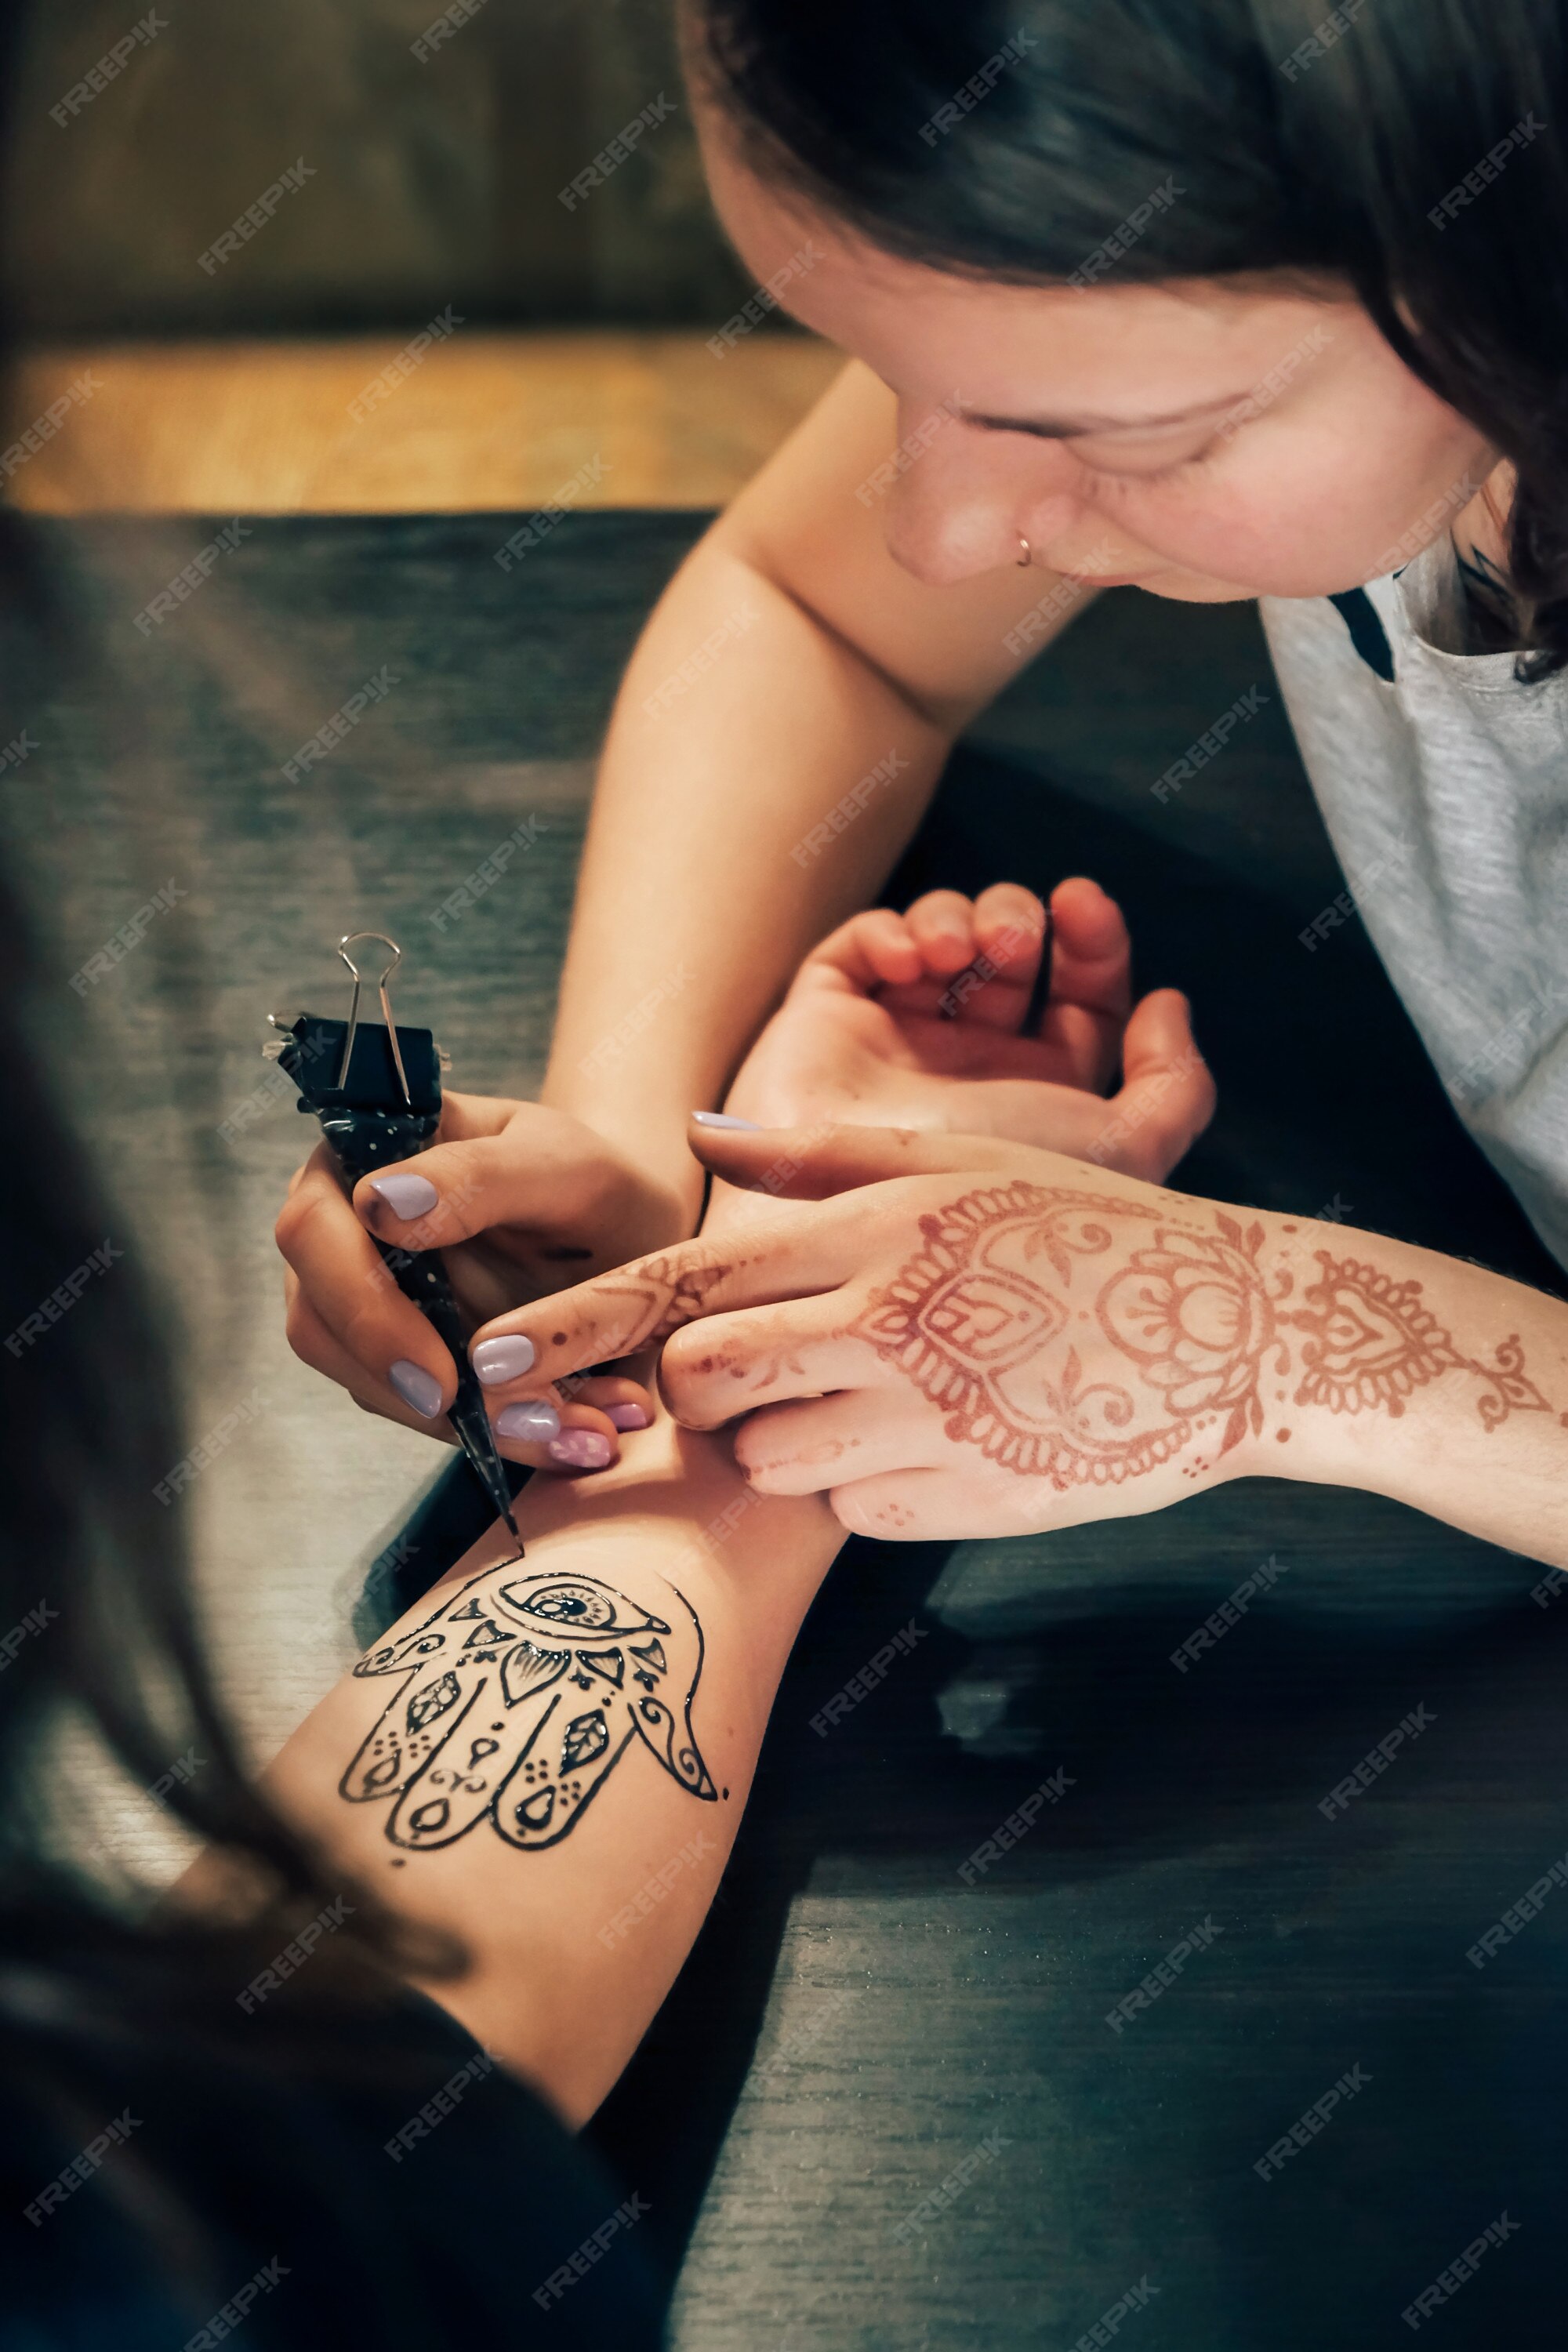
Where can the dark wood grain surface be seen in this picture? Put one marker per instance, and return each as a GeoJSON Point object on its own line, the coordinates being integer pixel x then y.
{"type": "Point", "coordinates": [861, 2025]}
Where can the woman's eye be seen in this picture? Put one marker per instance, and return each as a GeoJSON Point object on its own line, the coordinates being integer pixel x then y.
{"type": "Point", "coordinates": [1133, 472]}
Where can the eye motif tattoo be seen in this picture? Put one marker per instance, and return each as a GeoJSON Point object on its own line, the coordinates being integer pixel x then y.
{"type": "Point", "coordinates": [993, 1317]}
{"type": "Point", "coordinates": [520, 1695]}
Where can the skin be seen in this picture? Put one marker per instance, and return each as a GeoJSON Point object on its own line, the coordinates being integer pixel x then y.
{"type": "Point", "coordinates": [1059, 437]}
{"type": "Point", "coordinates": [956, 1336]}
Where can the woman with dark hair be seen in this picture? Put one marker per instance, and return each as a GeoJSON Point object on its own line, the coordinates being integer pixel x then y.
{"type": "Point", "coordinates": [1217, 297]}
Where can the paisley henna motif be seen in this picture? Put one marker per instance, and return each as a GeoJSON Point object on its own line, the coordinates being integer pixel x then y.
{"type": "Point", "coordinates": [1369, 1343]}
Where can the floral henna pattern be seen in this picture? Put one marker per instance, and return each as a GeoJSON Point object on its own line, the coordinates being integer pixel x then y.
{"type": "Point", "coordinates": [1195, 1315]}
{"type": "Point", "coordinates": [1369, 1342]}
{"type": "Point", "coordinates": [986, 1322]}
{"type": "Point", "coordinates": [993, 1317]}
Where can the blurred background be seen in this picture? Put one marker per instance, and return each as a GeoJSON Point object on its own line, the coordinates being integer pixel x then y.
{"type": "Point", "coordinates": [436, 149]}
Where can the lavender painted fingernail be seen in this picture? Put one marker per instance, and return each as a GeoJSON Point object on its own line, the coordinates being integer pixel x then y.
{"type": "Point", "coordinates": [416, 1387]}
{"type": "Point", "coordinates": [502, 1359]}
{"type": "Point", "coordinates": [406, 1196]}
{"type": "Point", "coordinates": [627, 1416]}
{"type": "Point", "coordinates": [581, 1449]}
{"type": "Point", "coordinates": [725, 1118]}
{"type": "Point", "coordinates": [536, 1423]}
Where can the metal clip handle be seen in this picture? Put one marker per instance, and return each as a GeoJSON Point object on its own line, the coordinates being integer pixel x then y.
{"type": "Point", "coordinates": [347, 941]}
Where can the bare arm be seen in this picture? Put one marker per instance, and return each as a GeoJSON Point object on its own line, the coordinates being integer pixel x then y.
{"type": "Point", "coordinates": [818, 669]}
{"type": "Point", "coordinates": [1016, 1343]}
{"type": "Point", "coordinates": [547, 1758]}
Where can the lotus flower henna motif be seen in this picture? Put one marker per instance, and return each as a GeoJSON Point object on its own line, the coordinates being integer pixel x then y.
{"type": "Point", "coordinates": [1193, 1313]}
{"type": "Point", "coordinates": [520, 1695]}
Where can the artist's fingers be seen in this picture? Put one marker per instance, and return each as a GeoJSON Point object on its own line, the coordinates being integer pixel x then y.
{"type": "Point", "coordinates": [942, 925]}
{"type": "Point", "coordinates": [728, 1364]}
{"type": "Point", "coordinates": [791, 1253]}
{"type": "Point", "coordinates": [345, 1284]}
{"type": "Point", "coordinates": [906, 1507]}
{"type": "Point", "coordinates": [1007, 929]}
{"type": "Point", "coordinates": [574, 1428]}
{"type": "Point", "coordinates": [810, 1448]}
{"type": "Point", "coordinates": [1168, 1097]}
{"type": "Point", "coordinates": [314, 1345]}
{"type": "Point", "coordinates": [870, 950]}
{"type": "Point", "coordinates": [534, 1169]}
{"type": "Point", "coordinates": [1091, 982]}
{"type": "Point", "coordinates": [562, 1435]}
{"type": "Point", "coordinates": [626, 1402]}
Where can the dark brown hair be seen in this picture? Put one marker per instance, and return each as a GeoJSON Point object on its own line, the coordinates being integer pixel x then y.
{"type": "Point", "coordinates": [1304, 140]}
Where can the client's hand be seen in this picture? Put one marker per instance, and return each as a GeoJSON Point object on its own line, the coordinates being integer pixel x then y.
{"type": "Point", "coordinates": [917, 1020]}
{"type": "Point", "coordinates": [999, 1342]}
{"type": "Point", "coordinates": [518, 1199]}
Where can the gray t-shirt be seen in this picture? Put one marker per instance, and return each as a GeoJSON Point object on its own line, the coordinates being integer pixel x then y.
{"type": "Point", "coordinates": [1445, 796]}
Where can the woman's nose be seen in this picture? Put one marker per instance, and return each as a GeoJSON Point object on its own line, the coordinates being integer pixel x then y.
{"type": "Point", "coordinates": [942, 531]}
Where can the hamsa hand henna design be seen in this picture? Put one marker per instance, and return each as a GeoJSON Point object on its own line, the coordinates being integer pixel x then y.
{"type": "Point", "coordinates": [519, 1697]}
{"type": "Point", "coordinates": [992, 1318]}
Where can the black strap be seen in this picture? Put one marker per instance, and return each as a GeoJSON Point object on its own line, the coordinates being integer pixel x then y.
{"type": "Point", "coordinates": [1368, 635]}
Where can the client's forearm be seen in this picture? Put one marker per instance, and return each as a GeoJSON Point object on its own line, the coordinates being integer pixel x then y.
{"type": "Point", "coordinates": [548, 1757]}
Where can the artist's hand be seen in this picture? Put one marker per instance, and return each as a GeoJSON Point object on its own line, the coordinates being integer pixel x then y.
{"type": "Point", "coordinates": [998, 1342]}
{"type": "Point", "coordinates": [915, 1020]}
{"type": "Point", "coordinates": [518, 1199]}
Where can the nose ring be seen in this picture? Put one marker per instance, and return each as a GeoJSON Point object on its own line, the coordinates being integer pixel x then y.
{"type": "Point", "coordinates": [1026, 557]}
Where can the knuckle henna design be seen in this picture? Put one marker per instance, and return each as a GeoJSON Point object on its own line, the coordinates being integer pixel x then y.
{"type": "Point", "coordinates": [654, 1298]}
{"type": "Point", "coordinates": [1082, 1338]}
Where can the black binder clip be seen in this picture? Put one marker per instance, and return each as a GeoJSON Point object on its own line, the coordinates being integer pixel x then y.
{"type": "Point", "coordinates": [375, 1089]}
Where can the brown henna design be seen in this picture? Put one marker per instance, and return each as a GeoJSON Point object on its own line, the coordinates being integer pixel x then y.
{"type": "Point", "coordinates": [988, 1318]}
{"type": "Point", "coordinates": [980, 1329]}
{"type": "Point", "coordinates": [656, 1297]}
{"type": "Point", "coordinates": [1369, 1342]}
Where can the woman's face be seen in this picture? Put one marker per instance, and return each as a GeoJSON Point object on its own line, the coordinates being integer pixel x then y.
{"type": "Point", "coordinates": [1201, 443]}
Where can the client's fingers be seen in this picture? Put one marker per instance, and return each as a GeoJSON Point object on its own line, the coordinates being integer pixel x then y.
{"type": "Point", "coordinates": [942, 925]}
{"type": "Point", "coordinates": [729, 1364]}
{"type": "Point", "coordinates": [1091, 982]}
{"type": "Point", "coordinates": [811, 1447]}
{"type": "Point", "coordinates": [819, 1164]}
{"type": "Point", "coordinates": [870, 950]}
{"type": "Point", "coordinates": [789, 1255]}
{"type": "Point", "coordinates": [1168, 1097]}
